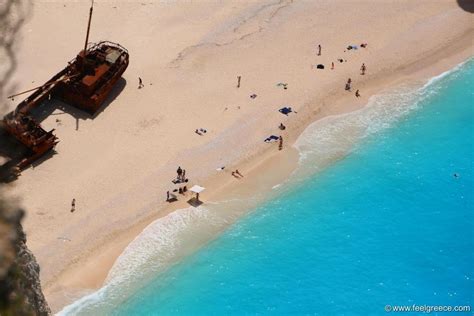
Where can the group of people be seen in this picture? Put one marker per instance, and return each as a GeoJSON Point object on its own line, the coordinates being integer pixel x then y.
{"type": "Point", "coordinates": [363, 68]}
{"type": "Point", "coordinates": [180, 178]}
{"type": "Point", "coordinates": [180, 190]}
{"type": "Point", "coordinates": [181, 175]}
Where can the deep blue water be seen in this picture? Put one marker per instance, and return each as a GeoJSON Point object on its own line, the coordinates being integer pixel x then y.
{"type": "Point", "coordinates": [388, 224]}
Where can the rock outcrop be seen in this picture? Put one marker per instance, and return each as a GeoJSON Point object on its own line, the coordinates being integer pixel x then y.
{"type": "Point", "coordinates": [20, 288]}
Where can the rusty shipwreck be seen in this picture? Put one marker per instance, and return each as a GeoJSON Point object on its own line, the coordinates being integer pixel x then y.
{"type": "Point", "coordinates": [84, 83]}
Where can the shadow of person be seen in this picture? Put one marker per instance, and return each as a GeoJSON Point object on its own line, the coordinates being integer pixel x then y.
{"type": "Point", "coordinates": [466, 5]}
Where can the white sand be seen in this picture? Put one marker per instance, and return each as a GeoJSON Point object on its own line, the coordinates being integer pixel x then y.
{"type": "Point", "coordinates": [119, 165]}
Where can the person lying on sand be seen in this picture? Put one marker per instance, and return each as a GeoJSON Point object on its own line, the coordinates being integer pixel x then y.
{"type": "Point", "coordinates": [284, 85]}
{"type": "Point", "coordinates": [237, 174]}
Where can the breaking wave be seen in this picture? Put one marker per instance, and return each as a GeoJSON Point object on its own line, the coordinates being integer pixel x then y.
{"type": "Point", "coordinates": [157, 247]}
{"type": "Point", "coordinates": [333, 137]}
{"type": "Point", "coordinates": [170, 238]}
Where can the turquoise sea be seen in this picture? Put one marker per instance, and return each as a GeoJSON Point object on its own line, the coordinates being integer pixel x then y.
{"type": "Point", "coordinates": [390, 222]}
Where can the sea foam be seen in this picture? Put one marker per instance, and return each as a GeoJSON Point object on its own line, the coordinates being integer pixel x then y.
{"type": "Point", "coordinates": [333, 137]}
{"type": "Point", "coordinates": [151, 251]}
{"type": "Point", "coordinates": [168, 239]}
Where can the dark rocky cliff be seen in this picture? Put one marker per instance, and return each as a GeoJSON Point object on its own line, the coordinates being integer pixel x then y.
{"type": "Point", "coordinates": [20, 288]}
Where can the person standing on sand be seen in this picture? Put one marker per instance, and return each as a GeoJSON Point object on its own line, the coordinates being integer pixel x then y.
{"type": "Point", "coordinates": [319, 50]}
{"type": "Point", "coordinates": [357, 93]}
{"type": "Point", "coordinates": [183, 177]}
{"type": "Point", "coordinates": [362, 69]}
{"type": "Point", "coordinates": [167, 196]}
{"type": "Point", "coordinates": [332, 66]}
{"type": "Point", "coordinates": [179, 172]}
{"type": "Point", "coordinates": [280, 145]}
{"type": "Point", "coordinates": [348, 84]}
{"type": "Point", "coordinates": [238, 81]}
{"type": "Point", "coordinates": [73, 205]}
{"type": "Point", "coordinates": [140, 83]}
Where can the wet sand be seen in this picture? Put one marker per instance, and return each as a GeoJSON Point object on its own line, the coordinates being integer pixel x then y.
{"type": "Point", "coordinates": [119, 165]}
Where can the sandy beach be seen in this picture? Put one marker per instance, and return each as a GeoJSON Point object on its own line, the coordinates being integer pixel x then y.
{"type": "Point", "coordinates": [119, 165]}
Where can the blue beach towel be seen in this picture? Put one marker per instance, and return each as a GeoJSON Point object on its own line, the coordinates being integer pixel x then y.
{"type": "Point", "coordinates": [271, 138]}
{"type": "Point", "coordinates": [285, 110]}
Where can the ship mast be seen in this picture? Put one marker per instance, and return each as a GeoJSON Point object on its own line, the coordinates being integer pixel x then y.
{"type": "Point", "coordinates": [88, 27]}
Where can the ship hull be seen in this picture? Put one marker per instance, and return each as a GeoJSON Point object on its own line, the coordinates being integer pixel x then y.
{"type": "Point", "coordinates": [70, 93]}
{"type": "Point", "coordinates": [85, 83]}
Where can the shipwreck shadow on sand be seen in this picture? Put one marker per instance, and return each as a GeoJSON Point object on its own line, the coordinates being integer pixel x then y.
{"type": "Point", "coordinates": [12, 151]}
{"type": "Point", "coordinates": [114, 93]}
{"type": "Point", "coordinates": [47, 109]}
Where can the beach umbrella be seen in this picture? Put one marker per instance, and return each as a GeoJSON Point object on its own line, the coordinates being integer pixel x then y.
{"type": "Point", "coordinates": [197, 189]}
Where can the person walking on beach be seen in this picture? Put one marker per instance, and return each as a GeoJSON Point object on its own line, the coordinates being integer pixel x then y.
{"type": "Point", "coordinates": [238, 81]}
{"type": "Point", "coordinates": [348, 84]}
{"type": "Point", "coordinates": [319, 50]}
{"type": "Point", "coordinates": [73, 205]}
{"type": "Point", "coordinates": [332, 66]}
{"type": "Point", "coordinates": [357, 93]}
{"type": "Point", "coordinates": [179, 172]}
{"type": "Point", "coordinates": [183, 177]}
{"type": "Point", "coordinates": [280, 145]}
{"type": "Point", "coordinates": [167, 196]}
{"type": "Point", "coordinates": [140, 83]}
{"type": "Point", "coordinates": [362, 69]}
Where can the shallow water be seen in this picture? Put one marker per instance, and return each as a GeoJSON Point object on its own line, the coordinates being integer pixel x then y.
{"type": "Point", "coordinates": [389, 223]}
